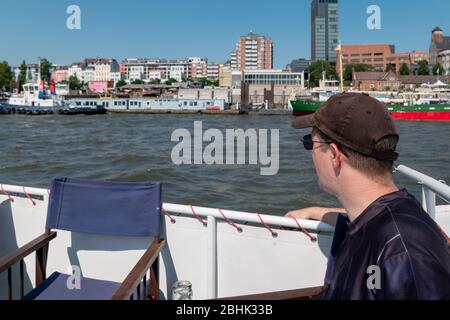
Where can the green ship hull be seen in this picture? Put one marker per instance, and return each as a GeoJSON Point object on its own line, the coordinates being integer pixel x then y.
{"type": "Point", "coordinates": [436, 112]}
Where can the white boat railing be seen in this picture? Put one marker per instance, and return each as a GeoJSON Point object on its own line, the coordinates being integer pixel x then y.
{"type": "Point", "coordinates": [430, 188]}
{"type": "Point", "coordinates": [212, 216]}
{"type": "Point", "coordinates": [244, 217]}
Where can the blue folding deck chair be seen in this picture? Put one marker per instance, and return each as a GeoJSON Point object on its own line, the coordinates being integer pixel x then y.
{"type": "Point", "coordinates": [102, 208]}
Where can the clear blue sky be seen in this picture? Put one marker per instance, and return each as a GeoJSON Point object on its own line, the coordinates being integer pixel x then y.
{"type": "Point", "coordinates": [178, 29]}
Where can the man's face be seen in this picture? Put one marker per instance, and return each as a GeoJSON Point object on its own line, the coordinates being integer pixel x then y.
{"type": "Point", "coordinates": [322, 158]}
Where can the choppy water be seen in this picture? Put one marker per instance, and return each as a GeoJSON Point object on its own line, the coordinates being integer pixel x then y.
{"type": "Point", "coordinates": [138, 148]}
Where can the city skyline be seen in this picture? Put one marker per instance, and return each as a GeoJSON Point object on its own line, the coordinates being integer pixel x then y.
{"type": "Point", "coordinates": [145, 29]}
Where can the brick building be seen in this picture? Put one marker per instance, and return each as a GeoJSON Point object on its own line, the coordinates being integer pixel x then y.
{"type": "Point", "coordinates": [379, 56]}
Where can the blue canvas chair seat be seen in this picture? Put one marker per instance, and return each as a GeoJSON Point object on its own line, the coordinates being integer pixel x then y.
{"type": "Point", "coordinates": [101, 208]}
{"type": "Point", "coordinates": [55, 288]}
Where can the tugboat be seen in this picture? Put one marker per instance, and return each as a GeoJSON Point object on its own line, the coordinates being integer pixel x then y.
{"type": "Point", "coordinates": [34, 101]}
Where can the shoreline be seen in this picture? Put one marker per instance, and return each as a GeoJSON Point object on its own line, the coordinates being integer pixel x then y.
{"type": "Point", "coordinates": [205, 112]}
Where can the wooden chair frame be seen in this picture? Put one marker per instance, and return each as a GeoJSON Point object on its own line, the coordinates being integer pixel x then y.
{"type": "Point", "coordinates": [298, 294]}
{"type": "Point", "coordinates": [126, 291]}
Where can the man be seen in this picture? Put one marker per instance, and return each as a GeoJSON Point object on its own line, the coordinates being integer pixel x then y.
{"type": "Point", "coordinates": [385, 245]}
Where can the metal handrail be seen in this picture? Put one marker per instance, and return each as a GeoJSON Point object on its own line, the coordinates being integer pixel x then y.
{"type": "Point", "coordinates": [249, 217]}
{"type": "Point", "coordinates": [245, 217]}
{"type": "Point", "coordinates": [434, 185]}
{"type": "Point", "coordinates": [430, 188]}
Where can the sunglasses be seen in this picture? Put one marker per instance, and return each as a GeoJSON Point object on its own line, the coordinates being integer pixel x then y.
{"type": "Point", "coordinates": [308, 142]}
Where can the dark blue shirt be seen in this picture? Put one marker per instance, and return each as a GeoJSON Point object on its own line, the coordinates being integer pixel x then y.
{"type": "Point", "coordinates": [393, 250]}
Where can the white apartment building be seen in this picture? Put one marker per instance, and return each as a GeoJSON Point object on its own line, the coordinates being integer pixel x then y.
{"type": "Point", "coordinates": [75, 70]}
{"type": "Point", "coordinates": [88, 74]}
{"type": "Point", "coordinates": [213, 71]}
{"type": "Point", "coordinates": [136, 73]}
{"type": "Point", "coordinates": [162, 69]}
{"type": "Point", "coordinates": [153, 75]}
{"type": "Point", "coordinates": [95, 70]}
{"type": "Point", "coordinates": [177, 73]}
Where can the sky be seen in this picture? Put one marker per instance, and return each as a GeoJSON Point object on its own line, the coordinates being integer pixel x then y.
{"type": "Point", "coordinates": [207, 28]}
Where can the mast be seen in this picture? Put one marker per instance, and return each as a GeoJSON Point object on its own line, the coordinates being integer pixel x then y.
{"type": "Point", "coordinates": [39, 70]}
{"type": "Point", "coordinates": [341, 72]}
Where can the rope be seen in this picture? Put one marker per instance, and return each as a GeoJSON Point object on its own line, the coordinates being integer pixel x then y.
{"type": "Point", "coordinates": [29, 197]}
{"type": "Point", "coordinates": [7, 194]}
{"type": "Point", "coordinates": [304, 230]}
{"type": "Point", "coordinates": [239, 229]}
{"type": "Point", "coordinates": [198, 217]}
{"type": "Point", "coordinates": [172, 220]}
{"type": "Point", "coordinates": [274, 234]}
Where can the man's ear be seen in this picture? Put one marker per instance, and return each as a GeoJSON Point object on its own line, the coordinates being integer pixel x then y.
{"type": "Point", "coordinates": [333, 150]}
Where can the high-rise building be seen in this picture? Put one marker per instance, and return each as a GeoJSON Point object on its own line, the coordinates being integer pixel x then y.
{"type": "Point", "coordinates": [253, 51]}
{"type": "Point", "coordinates": [324, 29]}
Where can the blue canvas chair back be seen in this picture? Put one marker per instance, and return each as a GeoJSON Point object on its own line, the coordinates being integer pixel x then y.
{"type": "Point", "coordinates": [105, 208]}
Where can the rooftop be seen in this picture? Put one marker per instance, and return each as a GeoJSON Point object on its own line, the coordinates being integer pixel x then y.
{"type": "Point", "coordinates": [376, 76]}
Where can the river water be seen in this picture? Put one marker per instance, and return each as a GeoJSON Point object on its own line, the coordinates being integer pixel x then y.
{"type": "Point", "coordinates": [138, 148]}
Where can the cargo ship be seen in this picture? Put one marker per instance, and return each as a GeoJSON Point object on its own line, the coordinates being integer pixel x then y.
{"type": "Point", "coordinates": [417, 107]}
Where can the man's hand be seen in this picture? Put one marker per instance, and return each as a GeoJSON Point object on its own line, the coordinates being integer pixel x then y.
{"type": "Point", "coordinates": [328, 215]}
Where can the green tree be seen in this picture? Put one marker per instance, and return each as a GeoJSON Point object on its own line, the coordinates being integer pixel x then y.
{"type": "Point", "coordinates": [358, 67]}
{"type": "Point", "coordinates": [5, 76]}
{"type": "Point", "coordinates": [423, 70]}
{"type": "Point", "coordinates": [138, 81]}
{"type": "Point", "coordinates": [390, 67]}
{"type": "Point", "coordinates": [316, 70]}
{"type": "Point", "coordinates": [22, 74]}
{"type": "Point", "coordinates": [75, 84]}
{"type": "Point", "coordinates": [120, 83]}
{"type": "Point", "coordinates": [209, 83]}
{"type": "Point", "coordinates": [438, 69]}
{"type": "Point", "coordinates": [155, 81]}
{"type": "Point", "coordinates": [171, 81]}
{"type": "Point", "coordinates": [404, 70]}
{"type": "Point", "coordinates": [45, 70]}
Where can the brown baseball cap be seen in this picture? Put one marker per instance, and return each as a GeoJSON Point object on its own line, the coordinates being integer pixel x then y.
{"type": "Point", "coordinates": [357, 121]}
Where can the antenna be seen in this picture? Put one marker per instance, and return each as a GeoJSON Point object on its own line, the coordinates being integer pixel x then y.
{"type": "Point", "coordinates": [39, 70]}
